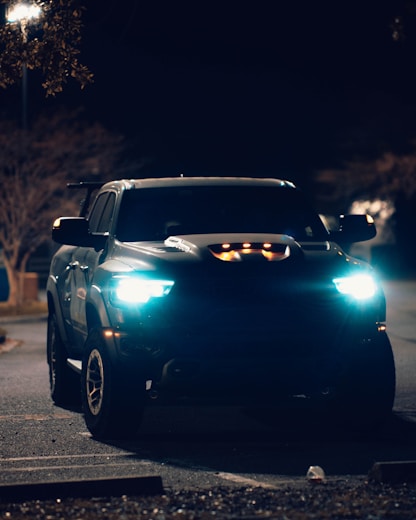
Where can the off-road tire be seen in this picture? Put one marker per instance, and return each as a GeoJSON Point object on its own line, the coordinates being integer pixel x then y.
{"type": "Point", "coordinates": [63, 381]}
{"type": "Point", "coordinates": [367, 389]}
{"type": "Point", "coordinates": [112, 402]}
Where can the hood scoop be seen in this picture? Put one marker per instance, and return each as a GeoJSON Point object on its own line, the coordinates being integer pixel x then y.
{"type": "Point", "coordinates": [237, 247]}
{"type": "Point", "coordinates": [250, 251]}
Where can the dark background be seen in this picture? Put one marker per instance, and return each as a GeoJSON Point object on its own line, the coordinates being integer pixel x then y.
{"type": "Point", "coordinates": [265, 88]}
{"type": "Point", "coordinates": [262, 88]}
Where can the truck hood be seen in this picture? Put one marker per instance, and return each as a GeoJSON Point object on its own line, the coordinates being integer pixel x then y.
{"type": "Point", "coordinates": [215, 249]}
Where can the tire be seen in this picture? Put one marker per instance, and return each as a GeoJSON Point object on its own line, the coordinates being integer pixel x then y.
{"type": "Point", "coordinates": [63, 382]}
{"type": "Point", "coordinates": [112, 401]}
{"type": "Point", "coordinates": [367, 390]}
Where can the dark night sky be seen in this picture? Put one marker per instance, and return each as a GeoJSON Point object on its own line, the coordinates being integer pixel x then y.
{"type": "Point", "coordinates": [263, 88]}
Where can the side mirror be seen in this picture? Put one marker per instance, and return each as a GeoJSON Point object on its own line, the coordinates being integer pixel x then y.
{"type": "Point", "coordinates": [354, 228]}
{"type": "Point", "coordinates": [72, 231]}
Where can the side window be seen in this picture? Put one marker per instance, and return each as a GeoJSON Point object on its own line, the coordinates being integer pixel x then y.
{"type": "Point", "coordinates": [102, 212]}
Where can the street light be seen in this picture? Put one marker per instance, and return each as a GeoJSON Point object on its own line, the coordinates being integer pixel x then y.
{"type": "Point", "coordinates": [22, 13]}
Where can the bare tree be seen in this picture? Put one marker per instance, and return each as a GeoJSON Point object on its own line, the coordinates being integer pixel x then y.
{"type": "Point", "coordinates": [390, 177]}
{"type": "Point", "coordinates": [35, 166]}
{"type": "Point", "coordinates": [388, 181]}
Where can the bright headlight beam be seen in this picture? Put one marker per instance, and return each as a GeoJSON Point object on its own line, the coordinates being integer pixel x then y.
{"type": "Point", "coordinates": [360, 286]}
{"type": "Point", "coordinates": [141, 290]}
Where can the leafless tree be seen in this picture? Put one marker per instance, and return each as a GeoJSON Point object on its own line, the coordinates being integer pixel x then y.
{"type": "Point", "coordinates": [35, 166]}
{"type": "Point", "coordinates": [390, 177]}
{"type": "Point", "coordinates": [386, 182]}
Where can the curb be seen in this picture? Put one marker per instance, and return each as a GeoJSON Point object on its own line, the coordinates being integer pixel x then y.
{"type": "Point", "coordinates": [8, 345]}
{"type": "Point", "coordinates": [393, 472]}
{"type": "Point", "coordinates": [105, 487]}
{"type": "Point", "coordinates": [25, 318]}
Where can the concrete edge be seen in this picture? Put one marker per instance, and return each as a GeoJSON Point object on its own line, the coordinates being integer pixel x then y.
{"type": "Point", "coordinates": [25, 318]}
{"type": "Point", "coordinates": [105, 487]}
{"type": "Point", "coordinates": [8, 345]}
{"type": "Point", "coordinates": [393, 472]}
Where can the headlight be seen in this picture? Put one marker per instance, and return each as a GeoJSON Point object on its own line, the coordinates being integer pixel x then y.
{"type": "Point", "coordinates": [359, 286]}
{"type": "Point", "coordinates": [140, 290]}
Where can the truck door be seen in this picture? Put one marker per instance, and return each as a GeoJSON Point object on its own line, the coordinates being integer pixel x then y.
{"type": "Point", "coordinates": [84, 262]}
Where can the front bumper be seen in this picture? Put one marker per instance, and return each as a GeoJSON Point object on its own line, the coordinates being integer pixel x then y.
{"type": "Point", "coordinates": [236, 381]}
{"type": "Point", "coordinates": [249, 372]}
{"type": "Point", "coordinates": [224, 349]}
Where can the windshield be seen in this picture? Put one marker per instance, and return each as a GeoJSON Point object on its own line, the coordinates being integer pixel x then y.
{"type": "Point", "coordinates": [156, 213]}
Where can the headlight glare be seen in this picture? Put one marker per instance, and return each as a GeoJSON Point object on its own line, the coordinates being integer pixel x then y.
{"type": "Point", "coordinates": [359, 286]}
{"type": "Point", "coordinates": [141, 290]}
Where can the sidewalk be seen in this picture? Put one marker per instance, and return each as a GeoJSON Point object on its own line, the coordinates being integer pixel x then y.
{"type": "Point", "coordinates": [23, 318]}
{"type": "Point", "coordinates": [35, 316]}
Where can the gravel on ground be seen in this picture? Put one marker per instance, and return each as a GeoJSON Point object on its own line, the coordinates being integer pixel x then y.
{"type": "Point", "coordinates": [341, 499]}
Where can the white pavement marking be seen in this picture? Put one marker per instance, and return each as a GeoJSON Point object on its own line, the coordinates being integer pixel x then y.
{"type": "Point", "coordinates": [60, 457]}
{"type": "Point", "coordinates": [238, 479]}
{"type": "Point", "coordinates": [35, 417]}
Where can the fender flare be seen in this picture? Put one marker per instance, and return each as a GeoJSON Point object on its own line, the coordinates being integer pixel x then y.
{"type": "Point", "coordinates": [98, 317]}
{"type": "Point", "coordinates": [96, 309]}
{"type": "Point", "coordinates": [54, 304]}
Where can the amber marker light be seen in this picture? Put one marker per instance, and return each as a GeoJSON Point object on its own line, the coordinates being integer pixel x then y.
{"type": "Point", "coordinates": [234, 252]}
{"type": "Point", "coordinates": [275, 256]}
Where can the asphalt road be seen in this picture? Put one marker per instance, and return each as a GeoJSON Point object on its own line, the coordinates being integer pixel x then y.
{"type": "Point", "coordinates": [192, 448]}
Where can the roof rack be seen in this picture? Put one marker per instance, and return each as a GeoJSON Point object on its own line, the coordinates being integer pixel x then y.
{"type": "Point", "coordinates": [90, 186]}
